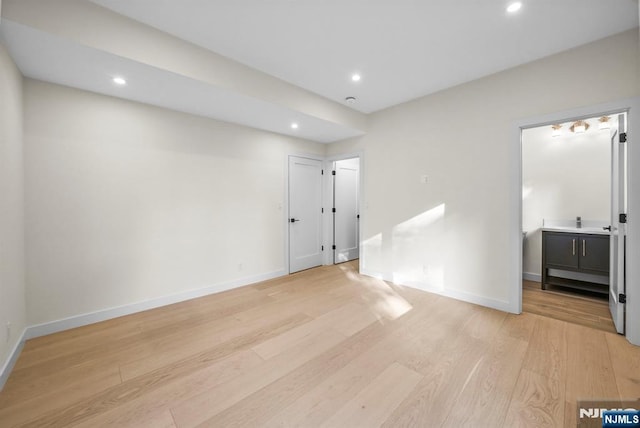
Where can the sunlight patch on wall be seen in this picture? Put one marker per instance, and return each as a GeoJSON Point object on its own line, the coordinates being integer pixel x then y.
{"type": "Point", "coordinates": [419, 222]}
{"type": "Point", "coordinates": [411, 251]}
{"type": "Point", "coordinates": [417, 249]}
{"type": "Point", "coordinates": [372, 253]}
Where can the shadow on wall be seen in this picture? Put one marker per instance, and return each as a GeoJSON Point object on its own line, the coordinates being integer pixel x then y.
{"type": "Point", "coordinates": [411, 250]}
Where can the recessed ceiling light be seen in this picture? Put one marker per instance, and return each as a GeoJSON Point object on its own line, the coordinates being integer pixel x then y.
{"type": "Point", "coordinates": [294, 125]}
{"type": "Point", "coordinates": [350, 99]}
{"type": "Point", "coordinates": [514, 7]}
{"type": "Point", "coordinates": [356, 77]}
{"type": "Point", "coordinates": [119, 81]}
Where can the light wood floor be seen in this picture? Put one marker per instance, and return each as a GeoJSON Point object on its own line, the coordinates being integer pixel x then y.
{"type": "Point", "coordinates": [574, 307]}
{"type": "Point", "coordinates": [325, 347]}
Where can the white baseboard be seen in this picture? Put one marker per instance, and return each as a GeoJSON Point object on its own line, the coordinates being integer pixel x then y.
{"type": "Point", "coordinates": [110, 313]}
{"type": "Point", "coordinates": [535, 277]}
{"type": "Point", "coordinates": [11, 361]}
{"type": "Point", "coordinates": [500, 305]}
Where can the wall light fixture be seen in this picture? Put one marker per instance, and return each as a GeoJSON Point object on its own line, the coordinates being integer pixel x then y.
{"type": "Point", "coordinates": [579, 127]}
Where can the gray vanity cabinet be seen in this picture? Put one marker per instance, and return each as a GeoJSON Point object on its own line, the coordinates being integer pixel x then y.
{"type": "Point", "coordinates": [575, 252]}
{"type": "Point", "coordinates": [594, 253]}
{"type": "Point", "coordinates": [560, 250]}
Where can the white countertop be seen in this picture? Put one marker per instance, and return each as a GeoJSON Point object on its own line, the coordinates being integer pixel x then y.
{"type": "Point", "coordinates": [585, 230]}
{"type": "Point", "coordinates": [593, 227]}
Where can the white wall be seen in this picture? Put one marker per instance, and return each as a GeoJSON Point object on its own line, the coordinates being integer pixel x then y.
{"type": "Point", "coordinates": [12, 279]}
{"type": "Point", "coordinates": [452, 234]}
{"type": "Point", "coordinates": [128, 202]}
{"type": "Point", "coordinates": [562, 178]}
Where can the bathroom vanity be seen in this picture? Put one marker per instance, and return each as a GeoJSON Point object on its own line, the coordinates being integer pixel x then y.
{"type": "Point", "coordinates": [576, 258]}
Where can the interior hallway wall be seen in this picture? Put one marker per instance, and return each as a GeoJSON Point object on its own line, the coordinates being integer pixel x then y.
{"type": "Point", "coordinates": [451, 235]}
{"type": "Point", "coordinates": [127, 202]}
{"type": "Point", "coordinates": [12, 276]}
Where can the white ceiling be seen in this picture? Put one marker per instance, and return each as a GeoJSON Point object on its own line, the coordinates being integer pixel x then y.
{"type": "Point", "coordinates": [66, 63]}
{"type": "Point", "coordinates": [403, 49]}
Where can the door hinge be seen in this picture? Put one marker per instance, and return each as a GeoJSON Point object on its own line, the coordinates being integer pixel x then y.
{"type": "Point", "coordinates": [623, 137]}
{"type": "Point", "coordinates": [333, 247]}
{"type": "Point", "coordinates": [322, 172]}
{"type": "Point", "coordinates": [622, 298]}
{"type": "Point", "coordinates": [322, 210]}
{"type": "Point", "coordinates": [333, 173]}
{"type": "Point", "coordinates": [358, 216]}
{"type": "Point", "coordinates": [623, 218]}
{"type": "Point", "coordinates": [333, 210]}
{"type": "Point", "coordinates": [322, 248]}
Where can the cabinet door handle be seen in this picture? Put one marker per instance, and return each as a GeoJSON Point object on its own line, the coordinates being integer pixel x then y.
{"type": "Point", "coordinates": [584, 247]}
{"type": "Point", "coordinates": [574, 247]}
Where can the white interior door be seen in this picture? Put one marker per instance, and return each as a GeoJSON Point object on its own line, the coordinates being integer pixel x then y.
{"type": "Point", "coordinates": [305, 213]}
{"type": "Point", "coordinates": [618, 228]}
{"type": "Point", "coordinates": [346, 182]}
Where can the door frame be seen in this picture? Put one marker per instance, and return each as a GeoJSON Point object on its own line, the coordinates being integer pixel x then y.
{"type": "Point", "coordinates": [285, 206]}
{"type": "Point", "coordinates": [328, 257]}
{"type": "Point", "coordinates": [632, 108]}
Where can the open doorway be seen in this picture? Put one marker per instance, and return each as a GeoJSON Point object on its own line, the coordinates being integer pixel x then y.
{"type": "Point", "coordinates": [570, 173]}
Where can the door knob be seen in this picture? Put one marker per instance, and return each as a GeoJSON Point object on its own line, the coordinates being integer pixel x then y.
{"type": "Point", "coordinates": [293, 220]}
{"type": "Point", "coordinates": [607, 228]}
